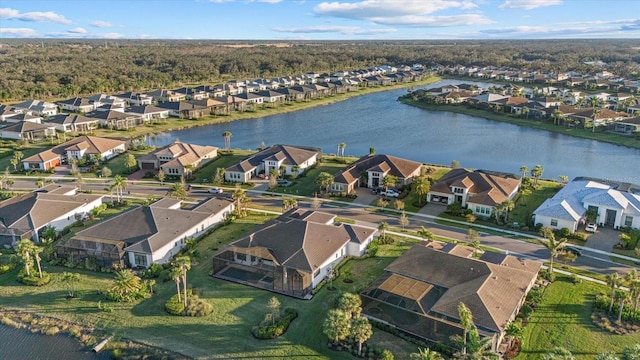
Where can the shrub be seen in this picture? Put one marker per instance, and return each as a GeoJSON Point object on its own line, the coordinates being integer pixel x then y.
{"type": "Point", "coordinates": [197, 307]}
{"type": "Point", "coordinates": [4, 268]}
{"type": "Point", "coordinates": [564, 232]}
{"type": "Point", "coordinates": [173, 306]}
{"type": "Point", "coordinates": [34, 279]}
{"type": "Point", "coordinates": [525, 312]}
{"type": "Point", "coordinates": [575, 279]}
{"type": "Point", "coordinates": [535, 296]}
{"type": "Point", "coordinates": [579, 236]}
{"type": "Point", "coordinates": [272, 331]}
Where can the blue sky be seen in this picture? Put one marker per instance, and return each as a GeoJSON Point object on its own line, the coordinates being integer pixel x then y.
{"type": "Point", "coordinates": [320, 20]}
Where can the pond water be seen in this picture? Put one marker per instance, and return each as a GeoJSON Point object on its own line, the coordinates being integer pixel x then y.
{"type": "Point", "coordinates": [380, 121]}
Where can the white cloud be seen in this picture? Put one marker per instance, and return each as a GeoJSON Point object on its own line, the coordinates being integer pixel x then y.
{"type": "Point", "coordinates": [434, 21]}
{"type": "Point", "coordinates": [18, 32]}
{"type": "Point", "coordinates": [101, 24]}
{"type": "Point", "coordinates": [344, 30]}
{"type": "Point", "coordinates": [248, 1]}
{"type": "Point", "coordinates": [599, 28]}
{"type": "Point", "coordinates": [528, 4]}
{"type": "Point", "coordinates": [34, 16]}
{"type": "Point", "coordinates": [77, 30]}
{"type": "Point", "coordinates": [112, 35]}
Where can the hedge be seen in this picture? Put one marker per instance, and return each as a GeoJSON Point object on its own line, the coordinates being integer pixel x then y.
{"type": "Point", "coordinates": [277, 329]}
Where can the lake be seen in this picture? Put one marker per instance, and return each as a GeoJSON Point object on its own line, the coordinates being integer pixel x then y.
{"type": "Point", "coordinates": [380, 121]}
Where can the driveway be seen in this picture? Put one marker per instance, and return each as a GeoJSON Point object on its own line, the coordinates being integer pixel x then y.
{"type": "Point", "coordinates": [603, 239]}
{"type": "Point", "coordinates": [365, 197]}
{"type": "Point", "coordinates": [433, 209]}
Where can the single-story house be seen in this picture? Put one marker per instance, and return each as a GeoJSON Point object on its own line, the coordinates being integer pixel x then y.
{"type": "Point", "coordinates": [183, 109]}
{"type": "Point", "coordinates": [617, 205]}
{"type": "Point", "coordinates": [78, 148]}
{"type": "Point", "coordinates": [292, 254]}
{"type": "Point", "coordinates": [6, 112]}
{"type": "Point", "coordinates": [420, 291]}
{"type": "Point", "coordinates": [135, 99]}
{"type": "Point", "coordinates": [36, 107]}
{"type": "Point", "coordinates": [58, 206]}
{"type": "Point", "coordinates": [479, 190]}
{"type": "Point", "coordinates": [148, 112]}
{"type": "Point", "coordinates": [27, 130]}
{"type": "Point", "coordinates": [163, 95]}
{"type": "Point", "coordinates": [628, 126]}
{"type": "Point", "coordinates": [369, 171]}
{"type": "Point", "coordinates": [177, 158]}
{"type": "Point", "coordinates": [145, 235]}
{"type": "Point", "coordinates": [285, 158]}
{"type": "Point", "coordinates": [21, 117]}
{"type": "Point", "coordinates": [77, 104]}
{"type": "Point", "coordinates": [72, 122]}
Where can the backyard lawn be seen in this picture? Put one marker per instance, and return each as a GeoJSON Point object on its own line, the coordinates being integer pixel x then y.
{"type": "Point", "coordinates": [306, 185]}
{"type": "Point", "coordinates": [563, 320]}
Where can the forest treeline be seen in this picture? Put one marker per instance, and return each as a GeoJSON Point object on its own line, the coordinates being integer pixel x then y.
{"type": "Point", "coordinates": [60, 68]}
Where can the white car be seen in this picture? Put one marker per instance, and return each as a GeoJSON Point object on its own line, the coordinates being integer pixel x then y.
{"type": "Point", "coordinates": [591, 227]}
{"type": "Point", "coordinates": [390, 193]}
{"type": "Point", "coordinates": [215, 190]}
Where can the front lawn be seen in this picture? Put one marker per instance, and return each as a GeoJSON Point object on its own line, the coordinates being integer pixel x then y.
{"type": "Point", "coordinates": [306, 185]}
{"type": "Point", "coordinates": [563, 320]}
{"type": "Point", "coordinates": [207, 173]}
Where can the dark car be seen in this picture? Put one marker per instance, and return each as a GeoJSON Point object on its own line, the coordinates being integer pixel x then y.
{"type": "Point", "coordinates": [573, 250]}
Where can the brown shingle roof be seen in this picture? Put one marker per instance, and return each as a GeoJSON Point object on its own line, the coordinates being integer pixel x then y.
{"type": "Point", "coordinates": [396, 166]}
{"type": "Point", "coordinates": [488, 188]}
{"type": "Point", "coordinates": [291, 155]}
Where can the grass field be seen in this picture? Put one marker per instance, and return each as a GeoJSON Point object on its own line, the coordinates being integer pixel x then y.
{"type": "Point", "coordinates": [305, 185]}
{"type": "Point", "coordinates": [563, 319]}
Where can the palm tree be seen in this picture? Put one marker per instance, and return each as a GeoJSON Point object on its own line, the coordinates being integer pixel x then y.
{"type": "Point", "coordinates": [119, 185]}
{"type": "Point", "coordinates": [425, 233]}
{"type": "Point", "coordinates": [524, 192]}
{"type": "Point", "coordinates": [507, 205]}
{"type": "Point", "coordinates": [556, 115]}
{"type": "Point", "coordinates": [622, 296]}
{"type": "Point", "coordinates": [184, 264]}
{"type": "Point", "coordinates": [389, 181]}
{"type": "Point", "coordinates": [175, 274]}
{"type": "Point", "coordinates": [466, 321]}
{"type": "Point", "coordinates": [525, 112]}
{"type": "Point", "coordinates": [361, 331]}
{"type": "Point", "coordinates": [240, 199]}
{"type": "Point", "coordinates": [536, 173]}
{"type": "Point", "coordinates": [324, 181]}
{"type": "Point", "coordinates": [551, 244]}
{"type": "Point", "coordinates": [70, 279]}
{"type": "Point", "coordinates": [595, 103]}
{"type": "Point", "coordinates": [422, 186]}
{"type": "Point", "coordinates": [25, 249]}
{"type": "Point", "coordinates": [426, 354]}
{"type": "Point", "coordinates": [633, 282]}
{"type": "Point", "coordinates": [336, 325]}
{"type": "Point", "coordinates": [341, 148]}
{"type": "Point", "coordinates": [178, 191]}
{"type": "Point", "coordinates": [478, 348]}
{"type": "Point", "coordinates": [514, 332]}
{"type": "Point", "coordinates": [383, 227]}
{"type": "Point", "coordinates": [36, 255]}
{"type": "Point", "coordinates": [126, 283]}
{"type": "Point", "coordinates": [524, 169]}
{"type": "Point", "coordinates": [613, 281]}
{"type": "Point", "coordinates": [227, 140]}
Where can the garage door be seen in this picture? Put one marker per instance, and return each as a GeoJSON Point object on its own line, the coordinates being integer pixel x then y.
{"type": "Point", "coordinates": [147, 166]}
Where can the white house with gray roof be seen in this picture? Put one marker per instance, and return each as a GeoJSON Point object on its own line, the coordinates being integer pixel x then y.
{"type": "Point", "coordinates": [285, 158]}
{"type": "Point", "coordinates": [617, 205]}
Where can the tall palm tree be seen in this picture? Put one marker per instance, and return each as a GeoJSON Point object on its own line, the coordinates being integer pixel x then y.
{"type": "Point", "coordinates": [383, 227]}
{"type": "Point", "coordinates": [25, 249]}
{"type": "Point", "coordinates": [551, 244]}
{"type": "Point", "coordinates": [556, 115]}
{"type": "Point", "coordinates": [426, 354]}
{"type": "Point", "coordinates": [361, 331]}
{"type": "Point", "coordinates": [227, 139]}
{"type": "Point", "coordinates": [514, 332]}
{"type": "Point", "coordinates": [613, 281]}
{"type": "Point", "coordinates": [240, 199]}
{"type": "Point", "coordinates": [466, 321]}
{"type": "Point", "coordinates": [119, 185]}
{"type": "Point", "coordinates": [175, 274]}
{"type": "Point", "coordinates": [507, 205]}
{"type": "Point", "coordinates": [524, 169]}
{"type": "Point", "coordinates": [536, 173]}
{"type": "Point", "coordinates": [178, 191]}
{"type": "Point", "coordinates": [422, 186]}
{"type": "Point", "coordinates": [184, 264]}
{"type": "Point", "coordinates": [389, 181]}
{"type": "Point", "coordinates": [622, 296]}
{"type": "Point", "coordinates": [595, 103]}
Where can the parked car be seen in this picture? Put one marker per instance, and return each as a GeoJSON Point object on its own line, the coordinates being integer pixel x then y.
{"type": "Point", "coordinates": [215, 190]}
{"type": "Point", "coordinates": [591, 227]}
{"type": "Point", "coordinates": [390, 193]}
{"type": "Point", "coordinates": [283, 182]}
{"type": "Point", "coordinates": [573, 250]}
{"type": "Point", "coordinates": [377, 190]}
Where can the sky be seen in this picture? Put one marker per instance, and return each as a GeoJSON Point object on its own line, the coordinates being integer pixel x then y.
{"type": "Point", "coordinates": [320, 20]}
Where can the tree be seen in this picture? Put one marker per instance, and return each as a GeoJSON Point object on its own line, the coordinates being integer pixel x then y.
{"type": "Point", "coordinates": [595, 103]}
{"type": "Point", "coordinates": [507, 206]}
{"type": "Point", "coordinates": [514, 332]}
{"type": "Point", "coordinates": [551, 244]}
{"type": "Point", "coordinates": [403, 220]}
{"type": "Point", "coordinates": [524, 170]}
{"type": "Point", "coordinates": [4, 178]}
{"type": "Point", "coordinates": [184, 264]}
{"type": "Point", "coordinates": [473, 237]}
{"type": "Point", "coordinates": [175, 274]}
{"type": "Point", "coordinates": [119, 185]}
{"type": "Point", "coordinates": [126, 283]}
{"type": "Point", "coordinates": [341, 148]}
{"type": "Point", "coordinates": [240, 200]}
{"type": "Point", "coordinates": [622, 296]}
{"type": "Point", "coordinates": [398, 204]}
{"type": "Point", "coordinates": [389, 181]}
{"type": "Point", "coordinates": [336, 325]}
{"type": "Point", "coordinates": [633, 282]}
{"type": "Point", "coordinates": [455, 164]}
{"type": "Point", "coordinates": [556, 115]}
{"type": "Point", "coordinates": [361, 331]}
{"type": "Point", "coordinates": [613, 281]}
{"type": "Point", "coordinates": [130, 162]}
{"type": "Point", "coordinates": [316, 203]}
{"type": "Point", "coordinates": [227, 140]}
{"type": "Point", "coordinates": [324, 181]}
{"type": "Point", "coordinates": [536, 173]}
{"type": "Point", "coordinates": [40, 183]}
{"type": "Point", "coordinates": [478, 348]}
{"type": "Point", "coordinates": [350, 303]}
{"type": "Point", "coordinates": [466, 321]}
{"type": "Point", "coordinates": [422, 187]}
{"type": "Point", "coordinates": [178, 191]}
{"type": "Point", "coordinates": [564, 179]}
{"type": "Point", "coordinates": [70, 279]}
{"type": "Point", "coordinates": [289, 203]}
{"type": "Point", "coordinates": [426, 354]}
{"type": "Point", "coordinates": [631, 352]}
{"type": "Point", "coordinates": [15, 160]}
{"type": "Point", "coordinates": [25, 250]}
{"type": "Point", "coordinates": [425, 233]}
{"type": "Point", "coordinates": [274, 309]}
{"type": "Point", "coordinates": [161, 176]}
{"type": "Point", "coordinates": [383, 227]}
{"type": "Point", "coordinates": [525, 112]}
{"type": "Point", "coordinates": [372, 151]}
{"type": "Point", "coordinates": [105, 171]}
{"type": "Point", "coordinates": [37, 250]}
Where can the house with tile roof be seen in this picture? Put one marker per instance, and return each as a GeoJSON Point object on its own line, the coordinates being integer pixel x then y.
{"type": "Point", "coordinates": [27, 130]}
{"type": "Point", "coordinates": [73, 123]}
{"type": "Point", "coordinates": [420, 291]}
{"type": "Point", "coordinates": [36, 107]}
{"type": "Point", "coordinates": [57, 206]}
{"type": "Point", "coordinates": [478, 190]}
{"type": "Point", "coordinates": [145, 235]}
{"type": "Point", "coordinates": [135, 98]}
{"type": "Point", "coordinates": [78, 148]}
{"type": "Point", "coordinates": [77, 104]}
{"type": "Point", "coordinates": [284, 158]}
{"type": "Point", "coordinates": [617, 205]}
{"type": "Point", "coordinates": [178, 158]}
{"type": "Point", "coordinates": [292, 254]}
{"type": "Point", "coordinates": [148, 112]}
{"type": "Point", "coordinates": [369, 170]}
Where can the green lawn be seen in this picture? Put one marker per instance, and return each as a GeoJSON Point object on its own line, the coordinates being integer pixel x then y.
{"type": "Point", "coordinates": [525, 206]}
{"type": "Point", "coordinates": [5, 162]}
{"type": "Point", "coordinates": [563, 319]}
{"type": "Point", "coordinates": [207, 172]}
{"type": "Point", "coordinates": [305, 185]}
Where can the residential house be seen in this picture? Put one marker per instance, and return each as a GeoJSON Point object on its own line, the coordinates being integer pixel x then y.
{"type": "Point", "coordinates": [548, 102]}
{"type": "Point", "coordinates": [78, 148]}
{"type": "Point", "coordinates": [6, 112]}
{"type": "Point", "coordinates": [285, 159]}
{"type": "Point", "coordinates": [616, 204]}
{"type": "Point", "coordinates": [148, 112]}
{"type": "Point", "coordinates": [479, 191]}
{"type": "Point", "coordinates": [192, 94]}
{"type": "Point", "coordinates": [369, 171]}
{"type": "Point", "coordinates": [135, 99]}
{"type": "Point", "coordinates": [292, 254]}
{"type": "Point", "coordinates": [185, 110]}
{"type": "Point", "coordinates": [116, 119]}
{"type": "Point", "coordinates": [73, 123]}
{"type": "Point", "coordinates": [77, 104]}
{"type": "Point", "coordinates": [270, 96]}
{"type": "Point", "coordinates": [36, 107]}
{"type": "Point", "coordinates": [99, 100]}
{"type": "Point", "coordinates": [56, 206]}
{"type": "Point", "coordinates": [145, 235]}
{"type": "Point", "coordinates": [628, 126]}
{"type": "Point", "coordinates": [21, 117]}
{"type": "Point", "coordinates": [419, 292]}
{"type": "Point", "coordinates": [26, 130]}
{"type": "Point", "coordinates": [250, 97]}
{"type": "Point", "coordinates": [602, 117]}
{"type": "Point", "coordinates": [162, 95]}
{"type": "Point", "coordinates": [178, 158]}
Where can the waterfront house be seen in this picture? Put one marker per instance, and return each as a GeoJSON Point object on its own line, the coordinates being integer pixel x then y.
{"type": "Point", "coordinates": [78, 148]}
{"type": "Point", "coordinates": [420, 291]}
{"type": "Point", "coordinates": [628, 126]}
{"type": "Point", "coordinates": [178, 158]}
{"type": "Point", "coordinates": [616, 204]}
{"type": "Point", "coordinates": [285, 159]}
{"type": "Point", "coordinates": [270, 96]}
{"type": "Point", "coordinates": [184, 109]}
{"type": "Point", "coordinates": [56, 206]}
{"type": "Point", "coordinates": [26, 130]}
{"type": "Point", "coordinates": [479, 191]}
{"type": "Point", "coordinates": [163, 95]}
{"type": "Point", "coordinates": [293, 254]}
{"type": "Point", "coordinates": [369, 170]}
{"type": "Point", "coordinates": [116, 119]}
{"type": "Point", "coordinates": [191, 93]}
{"type": "Point", "coordinates": [145, 235]}
{"type": "Point", "coordinates": [148, 112]}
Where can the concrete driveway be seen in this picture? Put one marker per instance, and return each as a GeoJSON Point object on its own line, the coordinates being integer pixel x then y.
{"type": "Point", "coordinates": [603, 239]}
{"type": "Point", "coordinates": [365, 197]}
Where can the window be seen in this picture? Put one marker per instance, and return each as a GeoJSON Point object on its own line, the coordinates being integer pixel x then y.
{"type": "Point", "coordinates": [554, 222]}
{"type": "Point", "coordinates": [628, 221]}
{"type": "Point", "coordinates": [458, 190]}
{"type": "Point", "coordinates": [141, 260]}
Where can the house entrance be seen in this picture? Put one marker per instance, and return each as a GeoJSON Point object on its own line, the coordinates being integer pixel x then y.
{"type": "Point", "coordinates": [610, 218]}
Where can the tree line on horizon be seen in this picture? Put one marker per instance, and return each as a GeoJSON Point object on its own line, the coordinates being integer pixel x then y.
{"type": "Point", "coordinates": [62, 68]}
